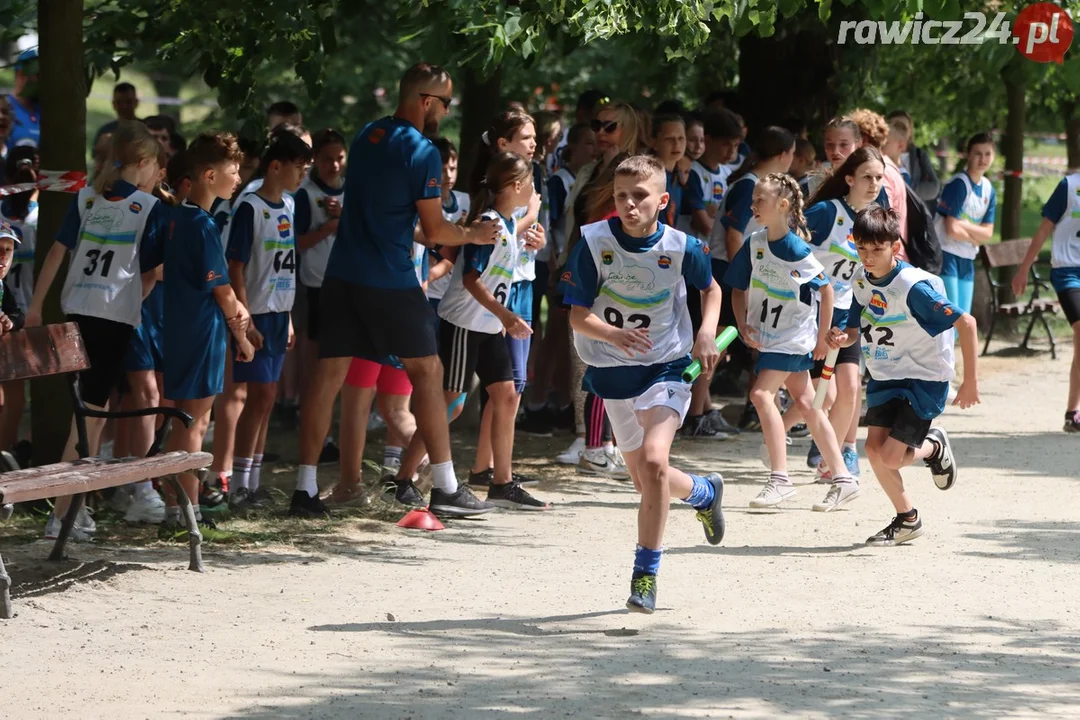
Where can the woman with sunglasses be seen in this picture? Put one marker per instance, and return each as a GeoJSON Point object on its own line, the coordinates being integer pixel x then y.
{"type": "Point", "coordinates": [618, 131]}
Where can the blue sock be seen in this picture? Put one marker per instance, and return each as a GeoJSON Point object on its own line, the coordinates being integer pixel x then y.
{"type": "Point", "coordinates": [702, 495]}
{"type": "Point", "coordinates": [646, 560]}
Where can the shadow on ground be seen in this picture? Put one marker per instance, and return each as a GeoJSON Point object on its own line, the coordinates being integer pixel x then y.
{"type": "Point", "coordinates": [610, 670]}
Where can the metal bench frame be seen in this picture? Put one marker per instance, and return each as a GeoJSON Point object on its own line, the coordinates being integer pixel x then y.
{"type": "Point", "coordinates": [1009, 253]}
{"type": "Point", "coordinates": [65, 343]}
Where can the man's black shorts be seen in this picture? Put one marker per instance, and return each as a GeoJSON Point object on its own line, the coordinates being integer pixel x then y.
{"type": "Point", "coordinates": [374, 323]}
{"type": "Point", "coordinates": [898, 415]}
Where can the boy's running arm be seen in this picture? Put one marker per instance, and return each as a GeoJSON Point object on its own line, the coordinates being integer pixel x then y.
{"type": "Point", "coordinates": [968, 394]}
{"type": "Point", "coordinates": [1046, 229]}
{"type": "Point", "coordinates": [697, 272]}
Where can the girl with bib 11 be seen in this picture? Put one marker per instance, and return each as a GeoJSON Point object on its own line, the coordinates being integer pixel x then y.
{"type": "Point", "coordinates": [114, 234]}
{"type": "Point", "coordinates": [774, 276]}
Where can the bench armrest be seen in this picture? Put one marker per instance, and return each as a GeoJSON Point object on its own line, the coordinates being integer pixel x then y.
{"type": "Point", "coordinates": [168, 411]}
{"type": "Point", "coordinates": [82, 412]}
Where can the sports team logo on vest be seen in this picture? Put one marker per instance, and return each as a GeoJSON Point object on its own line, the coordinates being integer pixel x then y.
{"type": "Point", "coordinates": [135, 207]}
{"type": "Point", "coordinates": [760, 254]}
{"type": "Point", "coordinates": [795, 274]}
{"type": "Point", "coordinates": [320, 203]}
{"type": "Point", "coordinates": [840, 221]}
{"type": "Point", "coordinates": [717, 191]}
{"type": "Point", "coordinates": [878, 304]}
{"type": "Point", "coordinates": [607, 257]}
{"type": "Point", "coordinates": [284, 227]}
{"type": "Point", "coordinates": [266, 214]}
{"type": "Point", "coordinates": [89, 203]}
{"type": "Point", "coordinates": [663, 262]}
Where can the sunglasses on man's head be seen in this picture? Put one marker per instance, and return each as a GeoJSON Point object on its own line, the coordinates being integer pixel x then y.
{"type": "Point", "coordinates": [445, 100]}
{"type": "Point", "coordinates": [606, 127]}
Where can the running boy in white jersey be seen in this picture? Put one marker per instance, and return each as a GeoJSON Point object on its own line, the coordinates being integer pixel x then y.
{"type": "Point", "coordinates": [905, 324]}
{"type": "Point", "coordinates": [1061, 220]}
{"type": "Point", "coordinates": [262, 269]}
{"type": "Point", "coordinates": [627, 285]}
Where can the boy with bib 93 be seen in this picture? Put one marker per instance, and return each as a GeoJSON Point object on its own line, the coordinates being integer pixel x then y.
{"type": "Point", "coordinates": [626, 283]}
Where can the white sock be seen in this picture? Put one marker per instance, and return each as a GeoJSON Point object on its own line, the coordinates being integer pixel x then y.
{"type": "Point", "coordinates": [609, 447]}
{"type": "Point", "coordinates": [256, 468]}
{"type": "Point", "coordinates": [443, 477]}
{"type": "Point", "coordinates": [145, 487]}
{"type": "Point", "coordinates": [241, 473]}
{"type": "Point", "coordinates": [198, 512]}
{"type": "Point", "coordinates": [392, 456]}
{"type": "Point", "coordinates": [305, 480]}
{"type": "Point", "coordinates": [850, 446]}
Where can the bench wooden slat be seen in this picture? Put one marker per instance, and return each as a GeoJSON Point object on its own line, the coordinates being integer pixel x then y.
{"type": "Point", "coordinates": [25, 485]}
{"type": "Point", "coordinates": [1006, 253]}
{"type": "Point", "coordinates": [1022, 308]}
{"type": "Point", "coordinates": [40, 351]}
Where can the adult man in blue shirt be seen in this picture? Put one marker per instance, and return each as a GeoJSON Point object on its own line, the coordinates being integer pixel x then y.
{"type": "Point", "coordinates": [372, 303]}
{"type": "Point", "coordinates": [24, 102]}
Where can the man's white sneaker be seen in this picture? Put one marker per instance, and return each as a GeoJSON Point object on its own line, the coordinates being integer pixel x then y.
{"type": "Point", "coordinates": [617, 457]}
{"type": "Point", "coordinates": [596, 462]}
{"type": "Point", "coordinates": [146, 507]}
{"type": "Point", "coordinates": [573, 455]}
{"type": "Point", "coordinates": [772, 495]}
{"type": "Point", "coordinates": [839, 494]}
{"type": "Point", "coordinates": [52, 531]}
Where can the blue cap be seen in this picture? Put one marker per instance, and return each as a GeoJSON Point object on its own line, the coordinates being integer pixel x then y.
{"type": "Point", "coordinates": [26, 56]}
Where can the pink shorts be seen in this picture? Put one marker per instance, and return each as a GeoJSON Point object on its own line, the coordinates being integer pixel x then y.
{"type": "Point", "coordinates": [367, 374]}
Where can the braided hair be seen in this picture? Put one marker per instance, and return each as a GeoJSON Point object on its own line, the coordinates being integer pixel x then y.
{"type": "Point", "coordinates": [787, 188]}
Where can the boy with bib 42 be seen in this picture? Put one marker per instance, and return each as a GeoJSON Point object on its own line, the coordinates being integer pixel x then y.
{"type": "Point", "coordinates": [626, 283]}
{"type": "Point", "coordinates": [905, 323]}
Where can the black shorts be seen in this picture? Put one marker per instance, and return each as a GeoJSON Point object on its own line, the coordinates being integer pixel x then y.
{"type": "Point", "coordinates": [849, 355]}
{"type": "Point", "coordinates": [1070, 304]}
{"type": "Point", "coordinates": [898, 415]}
{"type": "Point", "coordinates": [374, 323]}
{"type": "Point", "coordinates": [314, 311]}
{"type": "Point", "coordinates": [464, 352]}
{"type": "Point", "coordinates": [106, 343]}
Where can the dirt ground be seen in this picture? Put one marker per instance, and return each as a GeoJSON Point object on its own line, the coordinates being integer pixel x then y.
{"type": "Point", "coordinates": [522, 614]}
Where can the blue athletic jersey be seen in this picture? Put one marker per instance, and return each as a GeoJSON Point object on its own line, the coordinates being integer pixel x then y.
{"type": "Point", "coordinates": [953, 195]}
{"type": "Point", "coordinates": [391, 167]}
{"type": "Point", "coordinates": [194, 329]}
{"type": "Point", "coordinates": [934, 314]}
{"type": "Point", "coordinates": [1055, 207]}
{"type": "Point", "coordinates": [580, 286]}
{"type": "Point", "coordinates": [27, 127]}
{"type": "Point", "coordinates": [790, 248]}
{"type": "Point", "coordinates": [737, 212]}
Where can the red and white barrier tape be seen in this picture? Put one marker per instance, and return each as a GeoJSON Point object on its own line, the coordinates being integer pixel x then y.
{"type": "Point", "coordinates": [51, 180]}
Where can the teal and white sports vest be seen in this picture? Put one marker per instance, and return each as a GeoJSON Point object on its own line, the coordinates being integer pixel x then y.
{"type": "Point", "coordinates": [974, 210]}
{"type": "Point", "coordinates": [638, 290]}
{"type": "Point", "coordinates": [459, 307]}
{"type": "Point", "coordinates": [104, 279]}
{"type": "Point", "coordinates": [315, 258]}
{"type": "Point", "coordinates": [894, 344]}
{"type": "Point", "coordinates": [270, 274]}
{"type": "Point", "coordinates": [1065, 251]}
{"type": "Point", "coordinates": [839, 256]}
{"type": "Point", "coordinates": [784, 323]}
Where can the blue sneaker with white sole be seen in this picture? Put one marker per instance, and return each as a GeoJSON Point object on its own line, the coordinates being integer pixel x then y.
{"type": "Point", "coordinates": [851, 460]}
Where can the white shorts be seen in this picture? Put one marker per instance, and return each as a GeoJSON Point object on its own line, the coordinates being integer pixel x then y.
{"type": "Point", "coordinates": [622, 414]}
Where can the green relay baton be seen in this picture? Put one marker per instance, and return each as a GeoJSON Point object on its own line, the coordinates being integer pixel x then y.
{"type": "Point", "coordinates": [725, 338]}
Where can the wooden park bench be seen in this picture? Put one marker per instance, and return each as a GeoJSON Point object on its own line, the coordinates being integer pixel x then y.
{"type": "Point", "coordinates": [58, 349]}
{"type": "Point", "coordinates": [1010, 253]}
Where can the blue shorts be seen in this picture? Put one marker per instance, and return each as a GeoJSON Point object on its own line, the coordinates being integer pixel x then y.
{"type": "Point", "coordinates": [144, 352]}
{"type": "Point", "coordinates": [266, 366]}
{"type": "Point", "coordinates": [784, 362]}
{"type": "Point", "coordinates": [1065, 278]}
{"type": "Point", "coordinates": [197, 361]}
{"type": "Point", "coordinates": [956, 266]}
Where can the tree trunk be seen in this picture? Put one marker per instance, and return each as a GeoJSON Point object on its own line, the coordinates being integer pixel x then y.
{"type": "Point", "coordinates": [1072, 133]}
{"type": "Point", "coordinates": [480, 103]}
{"type": "Point", "coordinates": [798, 62]}
{"type": "Point", "coordinates": [63, 147]}
{"type": "Point", "coordinates": [167, 84]}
